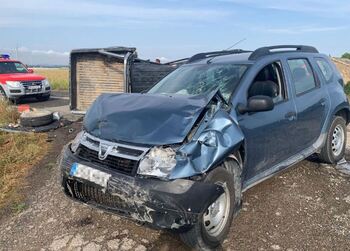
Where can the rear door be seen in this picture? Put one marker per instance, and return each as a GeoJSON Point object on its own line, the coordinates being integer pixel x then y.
{"type": "Point", "coordinates": [311, 102]}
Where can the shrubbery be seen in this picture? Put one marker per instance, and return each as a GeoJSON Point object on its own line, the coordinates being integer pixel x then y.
{"type": "Point", "coordinates": [346, 55]}
{"type": "Point", "coordinates": [347, 88]}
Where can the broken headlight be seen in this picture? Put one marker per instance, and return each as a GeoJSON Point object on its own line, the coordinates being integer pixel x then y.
{"type": "Point", "coordinates": [158, 162]}
{"type": "Point", "coordinates": [76, 142]}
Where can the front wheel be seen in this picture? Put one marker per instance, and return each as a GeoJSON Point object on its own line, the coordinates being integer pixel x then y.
{"type": "Point", "coordinates": [43, 97]}
{"type": "Point", "coordinates": [2, 94]}
{"type": "Point", "coordinates": [334, 149]}
{"type": "Point", "coordinates": [213, 225]}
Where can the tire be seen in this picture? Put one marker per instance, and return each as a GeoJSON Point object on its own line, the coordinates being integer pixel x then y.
{"type": "Point", "coordinates": [199, 237]}
{"type": "Point", "coordinates": [334, 149]}
{"type": "Point", "coordinates": [36, 118]}
{"type": "Point", "coordinates": [2, 94]}
{"type": "Point", "coordinates": [15, 101]}
{"type": "Point", "coordinates": [43, 97]}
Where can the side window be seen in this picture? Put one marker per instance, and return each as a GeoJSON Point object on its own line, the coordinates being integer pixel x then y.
{"type": "Point", "coordinates": [269, 82]}
{"type": "Point", "coordinates": [20, 67]}
{"type": "Point", "coordinates": [326, 69]}
{"type": "Point", "coordinates": [302, 75]}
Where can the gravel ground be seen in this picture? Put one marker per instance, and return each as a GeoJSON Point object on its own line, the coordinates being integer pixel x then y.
{"type": "Point", "coordinates": [304, 208]}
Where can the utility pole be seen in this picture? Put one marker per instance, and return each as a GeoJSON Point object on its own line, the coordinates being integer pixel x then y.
{"type": "Point", "coordinates": [17, 51]}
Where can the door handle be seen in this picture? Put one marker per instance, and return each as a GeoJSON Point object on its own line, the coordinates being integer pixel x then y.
{"type": "Point", "coordinates": [323, 101]}
{"type": "Point", "coordinates": [291, 116]}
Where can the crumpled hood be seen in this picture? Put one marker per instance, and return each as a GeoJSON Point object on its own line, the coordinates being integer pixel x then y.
{"type": "Point", "coordinates": [151, 119]}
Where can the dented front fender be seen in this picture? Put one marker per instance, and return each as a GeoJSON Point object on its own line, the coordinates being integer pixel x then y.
{"type": "Point", "coordinates": [211, 145]}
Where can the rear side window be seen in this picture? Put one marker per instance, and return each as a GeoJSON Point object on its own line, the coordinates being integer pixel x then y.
{"type": "Point", "coordinates": [302, 75]}
{"type": "Point", "coordinates": [326, 69]}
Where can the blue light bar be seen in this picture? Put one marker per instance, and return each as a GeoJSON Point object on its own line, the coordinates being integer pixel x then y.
{"type": "Point", "coordinates": [5, 56]}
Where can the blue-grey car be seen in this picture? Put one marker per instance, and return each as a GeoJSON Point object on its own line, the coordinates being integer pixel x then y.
{"type": "Point", "coordinates": [180, 156]}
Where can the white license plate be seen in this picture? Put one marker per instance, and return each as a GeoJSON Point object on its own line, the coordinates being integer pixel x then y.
{"type": "Point", "coordinates": [34, 87]}
{"type": "Point", "coordinates": [91, 174]}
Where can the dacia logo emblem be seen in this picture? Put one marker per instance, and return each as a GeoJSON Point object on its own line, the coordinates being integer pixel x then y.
{"type": "Point", "coordinates": [104, 150]}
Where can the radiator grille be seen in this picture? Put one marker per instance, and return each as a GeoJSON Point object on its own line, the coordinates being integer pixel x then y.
{"type": "Point", "coordinates": [87, 193]}
{"type": "Point", "coordinates": [123, 165]}
{"type": "Point", "coordinates": [26, 84]}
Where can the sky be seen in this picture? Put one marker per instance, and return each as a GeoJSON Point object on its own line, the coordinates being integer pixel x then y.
{"type": "Point", "coordinates": [44, 32]}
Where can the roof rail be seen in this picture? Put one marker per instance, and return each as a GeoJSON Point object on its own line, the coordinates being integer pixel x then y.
{"type": "Point", "coordinates": [178, 61]}
{"type": "Point", "coordinates": [264, 51]}
{"type": "Point", "coordinates": [205, 55]}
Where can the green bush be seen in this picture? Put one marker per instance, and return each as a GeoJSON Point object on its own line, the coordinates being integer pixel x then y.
{"type": "Point", "coordinates": [347, 88]}
{"type": "Point", "coordinates": [346, 55]}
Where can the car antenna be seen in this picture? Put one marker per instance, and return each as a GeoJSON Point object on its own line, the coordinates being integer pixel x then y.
{"type": "Point", "coordinates": [232, 46]}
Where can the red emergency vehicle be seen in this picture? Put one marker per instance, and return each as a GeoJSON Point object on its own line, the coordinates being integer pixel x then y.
{"type": "Point", "coordinates": [17, 81]}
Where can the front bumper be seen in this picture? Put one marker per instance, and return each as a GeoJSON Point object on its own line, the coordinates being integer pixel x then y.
{"type": "Point", "coordinates": [14, 93]}
{"type": "Point", "coordinates": [172, 204]}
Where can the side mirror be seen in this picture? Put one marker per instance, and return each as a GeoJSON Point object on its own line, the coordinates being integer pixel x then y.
{"type": "Point", "coordinates": [256, 104]}
{"type": "Point", "coordinates": [30, 71]}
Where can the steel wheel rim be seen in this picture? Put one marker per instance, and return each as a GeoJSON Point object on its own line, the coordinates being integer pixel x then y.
{"type": "Point", "coordinates": [216, 216]}
{"type": "Point", "coordinates": [338, 139]}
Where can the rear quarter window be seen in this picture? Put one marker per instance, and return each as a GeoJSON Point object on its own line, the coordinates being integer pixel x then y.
{"type": "Point", "coordinates": [325, 68]}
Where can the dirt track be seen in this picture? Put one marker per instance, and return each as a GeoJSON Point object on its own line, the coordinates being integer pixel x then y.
{"type": "Point", "coordinates": [305, 208]}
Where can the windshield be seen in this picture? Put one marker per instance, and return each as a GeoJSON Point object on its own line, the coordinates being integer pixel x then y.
{"type": "Point", "coordinates": [194, 80]}
{"type": "Point", "coordinates": [12, 67]}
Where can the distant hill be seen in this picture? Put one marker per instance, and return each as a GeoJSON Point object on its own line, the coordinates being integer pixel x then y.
{"type": "Point", "coordinates": [344, 67]}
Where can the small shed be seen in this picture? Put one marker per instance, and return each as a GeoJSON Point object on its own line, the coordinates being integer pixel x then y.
{"type": "Point", "coordinates": [111, 70]}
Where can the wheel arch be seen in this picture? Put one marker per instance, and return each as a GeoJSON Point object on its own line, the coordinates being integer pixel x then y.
{"type": "Point", "coordinates": [3, 90]}
{"type": "Point", "coordinates": [342, 110]}
{"type": "Point", "coordinates": [345, 113]}
{"type": "Point", "coordinates": [238, 158]}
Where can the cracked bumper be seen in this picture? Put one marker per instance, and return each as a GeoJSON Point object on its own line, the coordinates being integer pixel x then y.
{"type": "Point", "coordinates": [172, 204]}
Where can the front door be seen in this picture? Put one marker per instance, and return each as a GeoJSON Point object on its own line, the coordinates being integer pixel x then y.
{"type": "Point", "coordinates": [268, 134]}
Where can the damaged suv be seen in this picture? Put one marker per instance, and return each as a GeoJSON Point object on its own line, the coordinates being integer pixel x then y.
{"type": "Point", "coordinates": [179, 156]}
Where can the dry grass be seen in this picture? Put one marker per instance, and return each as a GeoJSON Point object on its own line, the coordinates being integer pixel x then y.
{"type": "Point", "coordinates": [344, 68]}
{"type": "Point", "coordinates": [58, 77]}
{"type": "Point", "coordinates": [8, 113]}
{"type": "Point", "coordinates": [19, 152]}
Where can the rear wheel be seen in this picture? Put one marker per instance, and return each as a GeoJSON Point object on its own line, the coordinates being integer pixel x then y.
{"type": "Point", "coordinates": [213, 225]}
{"type": "Point", "coordinates": [334, 148]}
